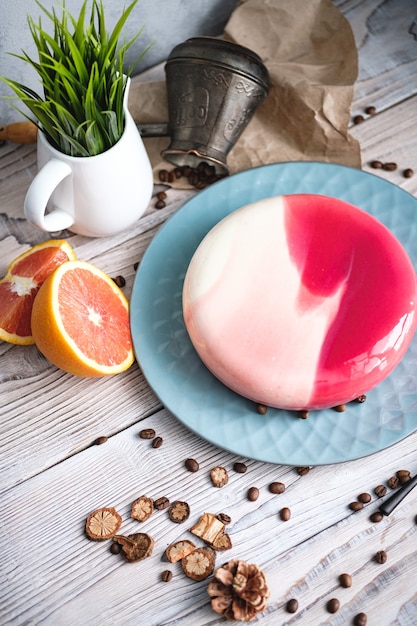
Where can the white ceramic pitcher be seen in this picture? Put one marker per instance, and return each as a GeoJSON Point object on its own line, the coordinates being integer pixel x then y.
{"type": "Point", "coordinates": [95, 196]}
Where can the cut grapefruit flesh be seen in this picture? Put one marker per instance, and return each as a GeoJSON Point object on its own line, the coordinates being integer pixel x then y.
{"type": "Point", "coordinates": [21, 283]}
{"type": "Point", "coordinates": [80, 321]}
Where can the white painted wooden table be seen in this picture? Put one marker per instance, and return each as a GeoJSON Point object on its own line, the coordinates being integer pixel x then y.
{"type": "Point", "coordinates": [52, 475]}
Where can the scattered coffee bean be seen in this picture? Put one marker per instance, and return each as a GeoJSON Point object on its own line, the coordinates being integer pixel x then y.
{"type": "Point", "coordinates": [262, 409]}
{"type": "Point", "coordinates": [361, 398]}
{"type": "Point", "coordinates": [389, 167]}
{"type": "Point", "coordinates": [224, 518]}
{"type": "Point", "coordinates": [285, 514]}
{"type": "Point", "coordinates": [115, 548]}
{"type": "Point", "coordinates": [381, 557]}
{"type": "Point", "coordinates": [120, 281]}
{"type": "Point", "coordinates": [356, 506]}
{"type": "Point", "coordinates": [340, 408]}
{"type": "Point", "coordinates": [292, 605]}
{"type": "Point", "coordinates": [162, 195]}
{"type": "Point", "coordinates": [192, 465]}
{"type": "Point", "coordinates": [199, 177]}
{"type": "Point", "coordinates": [240, 468]}
{"type": "Point", "coordinates": [100, 440]}
{"type": "Point", "coordinates": [380, 491]}
{"type": "Point", "coordinates": [371, 110]}
{"type": "Point", "coordinates": [364, 497]}
{"type": "Point", "coordinates": [157, 442]}
{"type": "Point", "coordinates": [303, 414]}
{"type": "Point", "coordinates": [376, 517]}
{"type": "Point", "coordinates": [171, 177]}
{"type": "Point", "coordinates": [161, 503]}
{"type": "Point", "coordinates": [333, 605]}
{"type": "Point", "coordinates": [163, 176]}
{"type": "Point", "coordinates": [408, 172]}
{"type": "Point", "coordinates": [393, 482]}
{"type": "Point", "coordinates": [166, 576]}
{"type": "Point", "coordinates": [345, 580]}
{"type": "Point", "coordinates": [403, 476]}
{"type": "Point", "coordinates": [302, 471]}
{"type": "Point", "coordinates": [276, 487]}
{"type": "Point", "coordinates": [253, 494]}
{"type": "Point", "coordinates": [376, 165]}
{"type": "Point", "coordinates": [178, 172]}
{"type": "Point", "coordinates": [147, 433]}
{"type": "Point", "coordinates": [160, 204]}
{"type": "Point", "coordinates": [360, 619]}
{"type": "Point", "coordinates": [358, 119]}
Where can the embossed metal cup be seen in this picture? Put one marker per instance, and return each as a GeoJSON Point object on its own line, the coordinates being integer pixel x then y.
{"type": "Point", "coordinates": [214, 87]}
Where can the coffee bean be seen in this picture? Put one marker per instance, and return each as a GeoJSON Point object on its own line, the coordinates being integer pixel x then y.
{"type": "Point", "coordinates": [358, 119]}
{"type": "Point", "coordinates": [285, 514]}
{"type": "Point", "coordinates": [371, 110]}
{"type": "Point", "coordinates": [381, 557]}
{"type": "Point", "coordinates": [147, 433]}
{"type": "Point", "coordinates": [240, 468]}
{"type": "Point", "coordinates": [376, 165]}
{"type": "Point", "coordinates": [276, 487]}
{"type": "Point", "coordinates": [389, 167]}
{"type": "Point", "coordinates": [361, 398]}
{"type": "Point", "coordinates": [178, 172]}
{"type": "Point", "coordinates": [120, 281]}
{"type": "Point", "coordinates": [160, 204]}
{"type": "Point", "coordinates": [223, 517]}
{"type": "Point", "coordinates": [345, 580]}
{"type": "Point", "coordinates": [171, 177]}
{"type": "Point", "coordinates": [364, 497]}
{"type": "Point", "coordinates": [376, 517]}
{"type": "Point", "coordinates": [333, 605]}
{"type": "Point", "coordinates": [302, 471]}
{"type": "Point", "coordinates": [157, 442]}
{"type": "Point", "coordinates": [186, 170]}
{"type": "Point", "coordinates": [408, 172]}
{"type": "Point", "coordinates": [253, 494]}
{"type": "Point", "coordinates": [303, 414]}
{"type": "Point", "coordinates": [340, 408]}
{"type": "Point", "coordinates": [100, 440]}
{"type": "Point", "coordinates": [360, 619]}
{"type": "Point", "coordinates": [192, 465]}
{"type": "Point", "coordinates": [166, 576]}
{"type": "Point", "coordinates": [380, 491]}
{"type": "Point", "coordinates": [393, 482]}
{"type": "Point", "coordinates": [115, 548]}
{"type": "Point", "coordinates": [161, 503]}
{"type": "Point", "coordinates": [262, 409]}
{"type": "Point", "coordinates": [356, 506]}
{"type": "Point", "coordinates": [292, 605]}
{"type": "Point", "coordinates": [403, 476]}
{"type": "Point", "coordinates": [162, 195]}
{"type": "Point", "coordinates": [163, 176]}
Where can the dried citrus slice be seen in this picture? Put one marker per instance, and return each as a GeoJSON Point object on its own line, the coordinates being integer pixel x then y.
{"type": "Point", "coordinates": [21, 283]}
{"type": "Point", "coordinates": [80, 321]}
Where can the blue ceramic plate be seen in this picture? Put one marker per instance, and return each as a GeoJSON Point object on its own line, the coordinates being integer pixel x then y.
{"type": "Point", "coordinates": [203, 404]}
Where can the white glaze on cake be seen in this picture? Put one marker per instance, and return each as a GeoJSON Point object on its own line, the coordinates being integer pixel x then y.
{"type": "Point", "coordinates": [273, 303]}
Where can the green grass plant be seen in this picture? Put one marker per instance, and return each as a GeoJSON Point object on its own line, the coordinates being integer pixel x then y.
{"type": "Point", "coordinates": [81, 67]}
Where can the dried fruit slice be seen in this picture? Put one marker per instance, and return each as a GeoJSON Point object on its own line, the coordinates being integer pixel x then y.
{"type": "Point", "coordinates": [219, 476]}
{"type": "Point", "coordinates": [80, 321]}
{"type": "Point", "coordinates": [222, 542]}
{"type": "Point", "coordinates": [21, 283]}
{"type": "Point", "coordinates": [135, 547]}
{"type": "Point", "coordinates": [199, 564]}
{"type": "Point", "coordinates": [103, 524]}
{"type": "Point", "coordinates": [208, 527]}
{"type": "Point", "coordinates": [179, 511]}
{"type": "Point", "coordinates": [142, 508]}
{"type": "Point", "coordinates": [178, 550]}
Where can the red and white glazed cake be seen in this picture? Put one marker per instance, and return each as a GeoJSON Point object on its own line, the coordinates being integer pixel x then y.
{"type": "Point", "coordinates": [300, 302]}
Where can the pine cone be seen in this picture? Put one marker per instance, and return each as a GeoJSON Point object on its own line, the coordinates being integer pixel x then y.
{"type": "Point", "coordinates": [238, 591]}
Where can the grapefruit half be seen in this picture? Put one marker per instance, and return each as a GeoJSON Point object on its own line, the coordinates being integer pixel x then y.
{"type": "Point", "coordinates": [80, 321]}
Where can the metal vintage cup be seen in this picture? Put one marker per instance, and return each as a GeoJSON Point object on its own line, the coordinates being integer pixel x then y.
{"type": "Point", "coordinates": [214, 87]}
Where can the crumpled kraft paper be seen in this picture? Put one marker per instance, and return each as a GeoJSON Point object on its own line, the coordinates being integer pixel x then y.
{"type": "Point", "coordinates": [311, 56]}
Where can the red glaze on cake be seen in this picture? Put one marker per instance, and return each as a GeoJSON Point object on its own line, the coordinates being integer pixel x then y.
{"type": "Point", "coordinates": [300, 302]}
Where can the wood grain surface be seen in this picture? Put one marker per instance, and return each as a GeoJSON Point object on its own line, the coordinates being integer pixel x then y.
{"type": "Point", "coordinates": [53, 474]}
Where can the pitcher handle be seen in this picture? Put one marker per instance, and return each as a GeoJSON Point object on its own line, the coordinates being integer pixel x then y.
{"type": "Point", "coordinates": [39, 193]}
